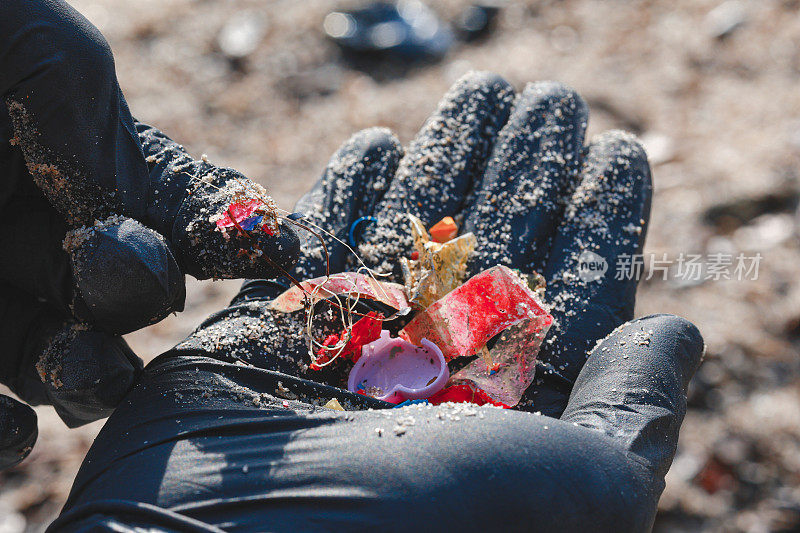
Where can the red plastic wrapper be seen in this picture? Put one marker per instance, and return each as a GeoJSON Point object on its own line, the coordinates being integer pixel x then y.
{"type": "Point", "coordinates": [366, 330]}
{"type": "Point", "coordinates": [248, 215]}
{"type": "Point", "coordinates": [496, 302]}
{"type": "Point", "coordinates": [464, 393]}
{"type": "Point", "coordinates": [239, 212]}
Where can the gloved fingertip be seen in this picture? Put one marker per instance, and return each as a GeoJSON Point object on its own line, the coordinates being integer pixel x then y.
{"type": "Point", "coordinates": [558, 99]}
{"type": "Point", "coordinates": [622, 144]}
{"type": "Point", "coordinates": [126, 275]}
{"type": "Point", "coordinates": [487, 81]}
{"type": "Point", "coordinates": [620, 155]}
{"type": "Point", "coordinates": [230, 228]}
{"type": "Point", "coordinates": [86, 373]}
{"type": "Point", "coordinates": [356, 176]}
{"type": "Point", "coordinates": [18, 431]}
{"type": "Point", "coordinates": [633, 386]}
{"type": "Point", "coordinates": [681, 337]}
{"type": "Point", "coordinates": [648, 362]}
{"type": "Point", "coordinates": [373, 141]}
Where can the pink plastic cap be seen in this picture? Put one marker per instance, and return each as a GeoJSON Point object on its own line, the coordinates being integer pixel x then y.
{"type": "Point", "coordinates": [395, 370]}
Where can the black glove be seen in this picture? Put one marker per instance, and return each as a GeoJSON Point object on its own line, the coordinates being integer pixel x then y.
{"type": "Point", "coordinates": [220, 444]}
{"type": "Point", "coordinates": [102, 217]}
{"type": "Point", "coordinates": [521, 179]}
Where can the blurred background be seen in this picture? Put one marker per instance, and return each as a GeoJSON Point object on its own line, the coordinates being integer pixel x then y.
{"type": "Point", "coordinates": [712, 88]}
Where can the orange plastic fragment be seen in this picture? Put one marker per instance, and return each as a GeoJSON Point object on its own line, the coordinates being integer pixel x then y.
{"type": "Point", "coordinates": [444, 230]}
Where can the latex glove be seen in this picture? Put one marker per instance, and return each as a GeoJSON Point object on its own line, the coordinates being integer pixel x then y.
{"type": "Point", "coordinates": [102, 217]}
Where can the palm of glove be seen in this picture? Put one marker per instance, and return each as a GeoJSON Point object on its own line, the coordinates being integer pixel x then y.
{"type": "Point", "coordinates": [515, 172]}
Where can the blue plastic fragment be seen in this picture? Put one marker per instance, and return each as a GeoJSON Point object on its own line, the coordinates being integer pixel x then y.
{"type": "Point", "coordinates": [295, 216]}
{"type": "Point", "coordinates": [351, 236]}
{"type": "Point", "coordinates": [410, 402]}
{"type": "Point", "coordinates": [250, 223]}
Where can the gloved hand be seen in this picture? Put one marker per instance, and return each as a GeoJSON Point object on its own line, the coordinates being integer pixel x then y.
{"type": "Point", "coordinates": [515, 172]}
{"type": "Point", "coordinates": [102, 217]}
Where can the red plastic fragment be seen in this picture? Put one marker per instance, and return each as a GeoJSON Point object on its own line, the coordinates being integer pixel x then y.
{"type": "Point", "coordinates": [494, 303]}
{"type": "Point", "coordinates": [366, 330]}
{"type": "Point", "coordinates": [322, 355]}
{"type": "Point", "coordinates": [238, 212]}
{"type": "Point", "coordinates": [464, 393]}
{"type": "Point", "coordinates": [464, 320]}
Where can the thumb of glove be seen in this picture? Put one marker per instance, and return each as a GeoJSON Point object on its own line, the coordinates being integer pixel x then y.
{"type": "Point", "coordinates": [126, 274]}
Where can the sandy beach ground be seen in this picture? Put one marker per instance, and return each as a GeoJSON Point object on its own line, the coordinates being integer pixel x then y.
{"type": "Point", "coordinates": [713, 90]}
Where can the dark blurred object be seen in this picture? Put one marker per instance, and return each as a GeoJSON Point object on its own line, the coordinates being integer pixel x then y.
{"type": "Point", "coordinates": [715, 476]}
{"type": "Point", "coordinates": [476, 21]}
{"type": "Point", "coordinates": [405, 30]}
{"type": "Point", "coordinates": [320, 81]}
{"type": "Point", "coordinates": [731, 214]}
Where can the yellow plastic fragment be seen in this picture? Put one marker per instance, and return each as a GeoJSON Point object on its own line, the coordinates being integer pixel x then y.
{"type": "Point", "coordinates": [439, 267]}
{"type": "Point", "coordinates": [333, 403]}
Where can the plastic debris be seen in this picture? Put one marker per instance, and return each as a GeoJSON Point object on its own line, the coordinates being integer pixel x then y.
{"type": "Point", "coordinates": [494, 303]}
{"type": "Point", "coordinates": [444, 230]}
{"type": "Point", "coordinates": [353, 233]}
{"type": "Point", "coordinates": [246, 214]}
{"type": "Point", "coordinates": [236, 213]}
{"type": "Point", "coordinates": [411, 402]}
{"type": "Point", "coordinates": [464, 393]}
{"type": "Point", "coordinates": [439, 267]}
{"type": "Point", "coordinates": [249, 223]}
{"type": "Point", "coordinates": [407, 30]}
{"type": "Point", "coordinates": [334, 404]}
{"type": "Point", "coordinates": [353, 284]}
{"type": "Point", "coordinates": [366, 330]}
{"type": "Point", "coordinates": [395, 370]}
